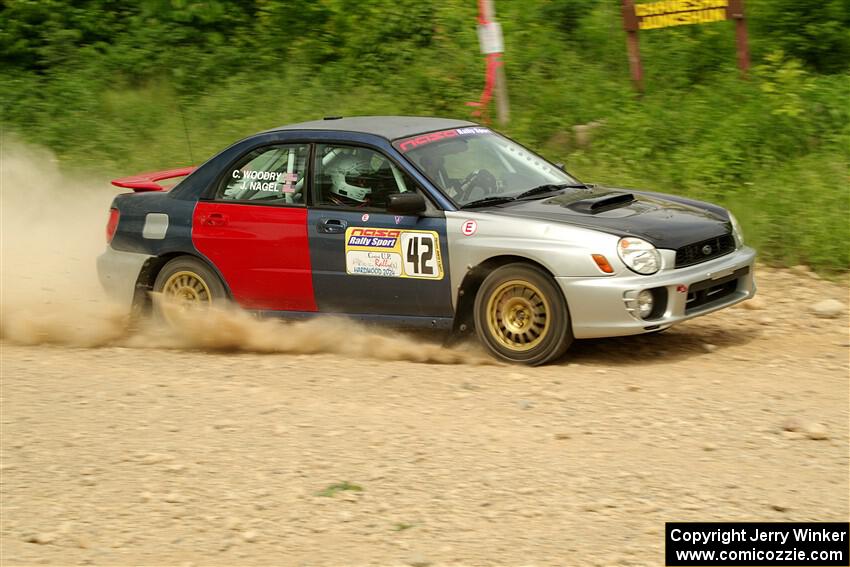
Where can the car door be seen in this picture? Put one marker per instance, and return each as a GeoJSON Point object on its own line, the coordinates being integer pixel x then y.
{"type": "Point", "coordinates": [365, 259]}
{"type": "Point", "coordinates": [253, 228]}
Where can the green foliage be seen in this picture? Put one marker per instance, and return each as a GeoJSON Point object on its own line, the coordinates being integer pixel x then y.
{"type": "Point", "coordinates": [798, 213]}
{"type": "Point", "coordinates": [123, 87]}
{"type": "Point", "coordinates": [332, 489]}
{"type": "Point", "coordinates": [566, 15]}
{"type": "Point", "coordinates": [817, 33]}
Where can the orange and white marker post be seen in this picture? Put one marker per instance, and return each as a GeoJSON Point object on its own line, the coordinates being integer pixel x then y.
{"type": "Point", "coordinates": [493, 47]}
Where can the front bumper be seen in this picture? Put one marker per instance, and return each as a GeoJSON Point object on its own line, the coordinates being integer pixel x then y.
{"type": "Point", "coordinates": [118, 272]}
{"type": "Point", "coordinates": [598, 306]}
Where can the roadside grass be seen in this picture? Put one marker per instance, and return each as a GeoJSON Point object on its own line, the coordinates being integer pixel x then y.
{"type": "Point", "coordinates": [796, 213]}
{"type": "Point", "coordinates": [794, 208]}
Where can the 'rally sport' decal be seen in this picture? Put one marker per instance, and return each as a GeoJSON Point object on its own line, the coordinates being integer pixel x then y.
{"type": "Point", "coordinates": [393, 253]}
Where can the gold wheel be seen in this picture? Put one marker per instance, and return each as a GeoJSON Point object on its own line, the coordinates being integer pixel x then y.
{"type": "Point", "coordinates": [518, 315]}
{"type": "Point", "coordinates": [187, 289]}
{"type": "Point", "coordinates": [186, 284]}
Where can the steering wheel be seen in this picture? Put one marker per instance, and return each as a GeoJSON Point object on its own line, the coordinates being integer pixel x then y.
{"type": "Point", "coordinates": [480, 180]}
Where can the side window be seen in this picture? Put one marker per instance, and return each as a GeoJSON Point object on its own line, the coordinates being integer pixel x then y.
{"type": "Point", "coordinates": [349, 176]}
{"type": "Point", "coordinates": [271, 175]}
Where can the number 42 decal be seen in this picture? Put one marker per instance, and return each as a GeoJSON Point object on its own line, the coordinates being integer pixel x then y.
{"type": "Point", "coordinates": [421, 255]}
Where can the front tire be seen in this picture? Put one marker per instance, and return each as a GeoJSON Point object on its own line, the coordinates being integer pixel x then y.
{"type": "Point", "coordinates": [521, 315]}
{"type": "Point", "coordinates": [186, 283]}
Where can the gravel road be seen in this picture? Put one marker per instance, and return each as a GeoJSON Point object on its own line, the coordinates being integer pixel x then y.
{"type": "Point", "coordinates": [120, 455]}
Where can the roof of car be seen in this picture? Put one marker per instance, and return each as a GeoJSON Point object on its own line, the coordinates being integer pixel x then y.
{"type": "Point", "coordinates": [389, 127]}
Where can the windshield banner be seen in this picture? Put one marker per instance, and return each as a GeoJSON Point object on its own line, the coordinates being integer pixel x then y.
{"type": "Point", "coordinates": [407, 144]}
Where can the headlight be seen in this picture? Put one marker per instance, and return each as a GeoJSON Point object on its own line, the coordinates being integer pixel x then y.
{"type": "Point", "coordinates": [736, 231]}
{"type": "Point", "coordinates": [639, 255]}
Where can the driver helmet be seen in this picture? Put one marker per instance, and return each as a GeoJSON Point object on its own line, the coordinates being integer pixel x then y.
{"type": "Point", "coordinates": [350, 178]}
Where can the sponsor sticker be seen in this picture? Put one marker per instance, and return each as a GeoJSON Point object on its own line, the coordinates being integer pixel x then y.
{"type": "Point", "coordinates": [289, 180]}
{"type": "Point", "coordinates": [412, 143]}
{"type": "Point", "coordinates": [469, 227]}
{"type": "Point", "coordinates": [393, 253]}
{"type": "Point", "coordinates": [372, 237]}
{"type": "Point", "coordinates": [384, 264]}
{"type": "Point", "coordinates": [365, 217]}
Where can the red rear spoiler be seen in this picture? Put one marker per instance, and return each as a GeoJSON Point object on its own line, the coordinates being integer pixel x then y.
{"type": "Point", "coordinates": [148, 181]}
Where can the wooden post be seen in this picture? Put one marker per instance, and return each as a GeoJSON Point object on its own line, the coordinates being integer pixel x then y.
{"type": "Point", "coordinates": [634, 60]}
{"type": "Point", "coordinates": [500, 87]}
{"type": "Point", "coordinates": [631, 25]}
{"type": "Point", "coordinates": [736, 12]}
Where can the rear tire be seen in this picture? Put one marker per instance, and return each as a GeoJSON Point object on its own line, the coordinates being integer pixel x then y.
{"type": "Point", "coordinates": [190, 283]}
{"type": "Point", "coordinates": [521, 315]}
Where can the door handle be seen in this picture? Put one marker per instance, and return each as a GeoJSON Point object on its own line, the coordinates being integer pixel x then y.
{"type": "Point", "coordinates": [214, 219]}
{"type": "Point", "coordinates": [332, 226]}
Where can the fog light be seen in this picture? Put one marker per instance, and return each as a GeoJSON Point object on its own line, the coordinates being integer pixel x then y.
{"type": "Point", "coordinates": [644, 303]}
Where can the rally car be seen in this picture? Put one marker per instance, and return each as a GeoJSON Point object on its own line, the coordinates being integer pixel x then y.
{"type": "Point", "coordinates": [426, 222]}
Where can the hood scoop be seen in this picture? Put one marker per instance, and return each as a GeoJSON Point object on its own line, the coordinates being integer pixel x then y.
{"type": "Point", "coordinates": [601, 204]}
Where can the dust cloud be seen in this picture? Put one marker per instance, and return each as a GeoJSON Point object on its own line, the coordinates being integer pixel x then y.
{"type": "Point", "coordinates": [53, 229]}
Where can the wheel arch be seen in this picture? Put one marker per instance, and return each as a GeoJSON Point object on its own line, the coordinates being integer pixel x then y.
{"type": "Point", "coordinates": [463, 319]}
{"type": "Point", "coordinates": [151, 269]}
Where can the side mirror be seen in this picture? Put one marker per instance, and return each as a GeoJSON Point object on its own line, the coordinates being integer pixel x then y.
{"type": "Point", "coordinates": [409, 203]}
{"type": "Point", "coordinates": [560, 166]}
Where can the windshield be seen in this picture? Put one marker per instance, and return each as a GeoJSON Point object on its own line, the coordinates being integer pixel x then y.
{"type": "Point", "coordinates": [471, 164]}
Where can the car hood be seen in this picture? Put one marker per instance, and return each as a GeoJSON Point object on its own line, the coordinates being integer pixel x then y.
{"type": "Point", "coordinates": [667, 221]}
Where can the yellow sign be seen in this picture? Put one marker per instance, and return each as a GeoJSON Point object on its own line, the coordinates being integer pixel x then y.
{"type": "Point", "coordinates": [669, 13]}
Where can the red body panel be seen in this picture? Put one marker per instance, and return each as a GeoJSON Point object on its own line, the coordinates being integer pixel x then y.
{"type": "Point", "coordinates": [148, 181]}
{"type": "Point", "coordinates": [262, 252]}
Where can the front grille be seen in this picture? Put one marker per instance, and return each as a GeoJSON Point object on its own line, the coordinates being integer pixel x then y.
{"type": "Point", "coordinates": [709, 291]}
{"type": "Point", "coordinates": [699, 298]}
{"type": "Point", "coordinates": [703, 251]}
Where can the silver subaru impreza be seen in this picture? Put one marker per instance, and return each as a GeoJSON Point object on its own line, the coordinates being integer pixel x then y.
{"type": "Point", "coordinates": [423, 222]}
